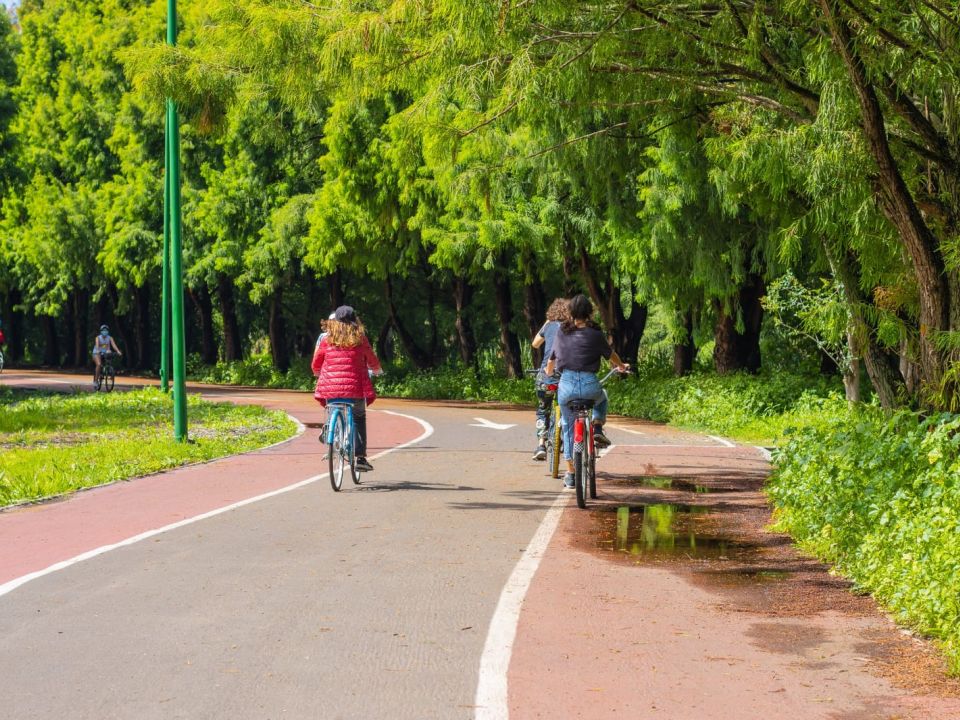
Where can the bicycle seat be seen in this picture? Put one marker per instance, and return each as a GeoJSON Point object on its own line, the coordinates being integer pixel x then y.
{"type": "Point", "coordinates": [579, 405]}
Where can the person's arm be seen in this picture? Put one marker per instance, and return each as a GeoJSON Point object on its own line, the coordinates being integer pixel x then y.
{"type": "Point", "coordinates": [371, 358]}
{"type": "Point", "coordinates": [113, 344]}
{"type": "Point", "coordinates": [318, 357]}
{"type": "Point", "coordinates": [617, 363]}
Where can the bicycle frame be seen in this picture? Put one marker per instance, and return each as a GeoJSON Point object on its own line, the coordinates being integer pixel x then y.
{"type": "Point", "coordinates": [333, 409]}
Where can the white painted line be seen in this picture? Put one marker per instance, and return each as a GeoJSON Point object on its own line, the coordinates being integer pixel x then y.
{"type": "Point", "coordinates": [607, 449]}
{"type": "Point", "coordinates": [481, 422]}
{"type": "Point", "coordinates": [491, 698]}
{"type": "Point", "coordinates": [11, 585]}
{"type": "Point", "coordinates": [626, 429]}
{"type": "Point", "coordinates": [722, 441]}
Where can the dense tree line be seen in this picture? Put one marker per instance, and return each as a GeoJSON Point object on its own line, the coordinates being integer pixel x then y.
{"type": "Point", "coordinates": [448, 167]}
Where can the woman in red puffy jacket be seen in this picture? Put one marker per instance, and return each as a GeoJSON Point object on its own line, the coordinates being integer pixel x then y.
{"type": "Point", "coordinates": [342, 363]}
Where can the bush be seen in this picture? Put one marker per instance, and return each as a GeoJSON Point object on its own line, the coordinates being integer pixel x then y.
{"type": "Point", "coordinates": [749, 407]}
{"type": "Point", "coordinates": [880, 499]}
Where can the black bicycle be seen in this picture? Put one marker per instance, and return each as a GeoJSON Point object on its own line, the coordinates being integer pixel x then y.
{"type": "Point", "coordinates": [107, 376]}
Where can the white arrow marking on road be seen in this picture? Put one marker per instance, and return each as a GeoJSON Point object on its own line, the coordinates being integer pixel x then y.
{"type": "Point", "coordinates": [480, 422]}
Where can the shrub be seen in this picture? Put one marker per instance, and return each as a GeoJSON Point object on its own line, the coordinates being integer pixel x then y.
{"type": "Point", "coordinates": [880, 499]}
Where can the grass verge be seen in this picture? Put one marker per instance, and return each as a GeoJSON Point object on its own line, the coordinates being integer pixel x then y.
{"type": "Point", "coordinates": [51, 444]}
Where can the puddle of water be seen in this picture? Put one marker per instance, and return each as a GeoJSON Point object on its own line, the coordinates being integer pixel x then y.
{"type": "Point", "coordinates": [662, 531]}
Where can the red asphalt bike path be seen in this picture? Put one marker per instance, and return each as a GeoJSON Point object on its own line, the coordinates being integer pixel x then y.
{"type": "Point", "coordinates": [36, 537]}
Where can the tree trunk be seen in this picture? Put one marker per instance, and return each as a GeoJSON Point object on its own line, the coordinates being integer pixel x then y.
{"type": "Point", "coordinates": [883, 376]}
{"type": "Point", "coordinates": [685, 352]}
{"type": "Point", "coordinates": [625, 332]}
{"type": "Point", "coordinates": [51, 343]}
{"type": "Point", "coordinates": [232, 344]}
{"type": "Point", "coordinates": [534, 310]}
{"type": "Point", "coordinates": [278, 333]}
{"type": "Point", "coordinates": [385, 343]}
{"type": "Point", "coordinates": [735, 350]}
{"type": "Point", "coordinates": [897, 203]}
{"type": "Point", "coordinates": [466, 340]}
{"type": "Point", "coordinates": [420, 358]}
{"type": "Point", "coordinates": [335, 290]}
{"type": "Point", "coordinates": [851, 373]}
{"type": "Point", "coordinates": [142, 333]}
{"type": "Point", "coordinates": [80, 329]}
{"type": "Point", "coordinates": [208, 342]}
{"type": "Point", "coordinates": [509, 345]}
{"type": "Point", "coordinates": [13, 326]}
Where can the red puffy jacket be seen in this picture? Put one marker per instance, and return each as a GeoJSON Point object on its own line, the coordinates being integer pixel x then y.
{"type": "Point", "coordinates": [342, 371]}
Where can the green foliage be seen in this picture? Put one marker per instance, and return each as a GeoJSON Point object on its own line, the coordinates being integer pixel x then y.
{"type": "Point", "coordinates": [55, 444]}
{"type": "Point", "coordinates": [749, 408]}
{"type": "Point", "coordinates": [254, 371]}
{"type": "Point", "coordinates": [880, 499]}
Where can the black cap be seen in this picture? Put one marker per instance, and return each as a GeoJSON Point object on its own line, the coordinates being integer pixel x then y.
{"type": "Point", "coordinates": [345, 314]}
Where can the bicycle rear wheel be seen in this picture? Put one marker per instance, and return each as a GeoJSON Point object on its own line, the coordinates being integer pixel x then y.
{"type": "Point", "coordinates": [336, 452]}
{"type": "Point", "coordinates": [109, 378]}
{"type": "Point", "coordinates": [97, 381]}
{"type": "Point", "coordinates": [580, 479]}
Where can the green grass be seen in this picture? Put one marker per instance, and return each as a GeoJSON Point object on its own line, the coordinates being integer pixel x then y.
{"type": "Point", "coordinates": [53, 444]}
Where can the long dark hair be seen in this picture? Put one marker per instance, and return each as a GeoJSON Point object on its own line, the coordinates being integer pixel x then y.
{"type": "Point", "coordinates": [579, 308]}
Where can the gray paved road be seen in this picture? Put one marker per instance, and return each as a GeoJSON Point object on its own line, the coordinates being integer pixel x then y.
{"type": "Point", "coordinates": [372, 603]}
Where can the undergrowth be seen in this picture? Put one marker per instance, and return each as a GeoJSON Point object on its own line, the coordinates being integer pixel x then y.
{"type": "Point", "coordinates": [879, 499]}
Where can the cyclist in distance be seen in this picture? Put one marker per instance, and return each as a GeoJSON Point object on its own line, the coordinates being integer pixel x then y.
{"type": "Point", "coordinates": [342, 363]}
{"type": "Point", "coordinates": [102, 344]}
{"type": "Point", "coordinates": [577, 351]}
{"type": "Point", "coordinates": [556, 314]}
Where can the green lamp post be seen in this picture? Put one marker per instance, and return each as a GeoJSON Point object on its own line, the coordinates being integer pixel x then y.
{"type": "Point", "coordinates": [173, 326]}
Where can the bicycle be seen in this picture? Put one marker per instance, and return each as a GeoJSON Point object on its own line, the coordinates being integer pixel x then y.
{"type": "Point", "coordinates": [341, 440]}
{"type": "Point", "coordinates": [1, 360]}
{"type": "Point", "coordinates": [105, 379]}
{"type": "Point", "coordinates": [551, 434]}
{"type": "Point", "coordinates": [584, 449]}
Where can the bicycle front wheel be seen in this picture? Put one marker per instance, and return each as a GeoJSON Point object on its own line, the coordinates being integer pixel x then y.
{"type": "Point", "coordinates": [354, 473]}
{"type": "Point", "coordinates": [109, 377]}
{"type": "Point", "coordinates": [557, 445]}
{"type": "Point", "coordinates": [336, 453]}
{"type": "Point", "coordinates": [592, 471]}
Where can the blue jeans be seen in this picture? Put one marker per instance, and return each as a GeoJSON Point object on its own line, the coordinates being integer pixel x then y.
{"type": "Point", "coordinates": [578, 385]}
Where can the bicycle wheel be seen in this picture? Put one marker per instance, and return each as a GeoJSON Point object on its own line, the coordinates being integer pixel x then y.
{"type": "Point", "coordinates": [592, 472]}
{"type": "Point", "coordinates": [97, 381]}
{"type": "Point", "coordinates": [336, 452]}
{"type": "Point", "coordinates": [557, 445]}
{"type": "Point", "coordinates": [1, 361]}
{"type": "Point", "coordinates": [109, 378]}
{"type": "Point", "coordinates": [354, 473]}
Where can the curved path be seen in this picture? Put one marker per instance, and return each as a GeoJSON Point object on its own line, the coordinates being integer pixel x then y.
{"type": "Point", "coordinates": [245, 588]}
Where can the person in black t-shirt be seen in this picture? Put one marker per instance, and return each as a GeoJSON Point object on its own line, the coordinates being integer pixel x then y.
{"type": "Point", "coordinates": [577, 351]}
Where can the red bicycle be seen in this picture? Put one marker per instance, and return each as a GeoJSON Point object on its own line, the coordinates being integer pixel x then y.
{"type": "Point", "coordinates": [584, 448]}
